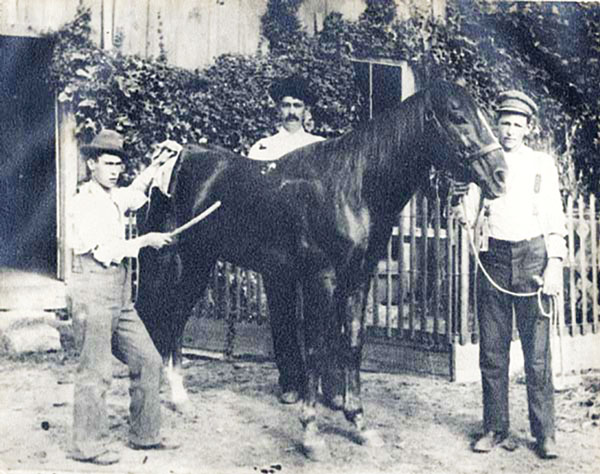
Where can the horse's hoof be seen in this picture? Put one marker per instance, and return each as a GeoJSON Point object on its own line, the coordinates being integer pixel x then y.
{"type": "Point", "coordinates": [183, 407]}
{"type": "Point", "coordinates": [370, 438]}
{"type": "Point", "coordinates": [315, 448]}
{"type": "Point", "coordinates": [335, 403]}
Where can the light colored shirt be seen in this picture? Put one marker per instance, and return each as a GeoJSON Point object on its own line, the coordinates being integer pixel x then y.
{"type": "Point", "coordinates": [96, 219]}
{"type": "Point", "coordinates": [275, 146]}
{"type": "Point", "coordinates": [527, 209]}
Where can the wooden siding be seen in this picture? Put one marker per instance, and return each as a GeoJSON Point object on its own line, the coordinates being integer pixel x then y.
{"type": "Point", "coordinates": [190, 32]}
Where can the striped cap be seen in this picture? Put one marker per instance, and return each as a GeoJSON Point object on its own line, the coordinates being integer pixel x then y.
{"type": "Point", "coordinates": [516, 102]}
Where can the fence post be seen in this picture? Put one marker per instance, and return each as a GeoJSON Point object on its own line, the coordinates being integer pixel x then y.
{"type": "Point", "coordinates": [437, 284]}
{"type": "Point", "coordinates": [582, 264]}
{"type": "Point", "coordinates": [594, 263]}
{"type": "Point", "coordinates": [571, 249]}
{"type": "Point", "coordinates": [450, 239]}
{"type": "Point", "coordinates": [401, 286]}
{"type": "Point", "coordinates": [238, 293]}
{"type": "Point", "coordinates": [413, 266]}
{"type": "Point", "coordinates": [464, 286]}
{"type": "Point", "coordinates": [388, 290]}
{"type": "Point", "coordinates": [424, 265]}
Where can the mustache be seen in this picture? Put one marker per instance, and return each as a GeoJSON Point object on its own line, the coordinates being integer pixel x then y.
{"type": "Point", "coordinates": [291, 117]}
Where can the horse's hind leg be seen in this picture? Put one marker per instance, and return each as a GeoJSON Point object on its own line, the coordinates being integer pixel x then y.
{"type": "Point", "coordinates": [318, 309]}
{"type": "Point", "coordinates": [351, 355]}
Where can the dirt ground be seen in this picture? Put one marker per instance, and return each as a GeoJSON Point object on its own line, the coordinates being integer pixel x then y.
{"type": "Point", "coordinates": [237, 425]}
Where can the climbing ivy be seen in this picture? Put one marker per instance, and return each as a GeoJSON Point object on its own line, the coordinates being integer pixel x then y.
{"type": "Point", "coordinates": [488, 46]}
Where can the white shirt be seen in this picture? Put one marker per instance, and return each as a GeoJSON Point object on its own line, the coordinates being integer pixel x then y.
{"type": "Point", "coordinates": [275, 146]}
{"type": "Point", "coordinates": [524, 212]}
{"type": "Point", "coordinates": [96, 219]}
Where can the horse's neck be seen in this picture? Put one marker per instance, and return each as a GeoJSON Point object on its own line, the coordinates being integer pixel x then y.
{"type": "Point", "coordinates": [393, 179]}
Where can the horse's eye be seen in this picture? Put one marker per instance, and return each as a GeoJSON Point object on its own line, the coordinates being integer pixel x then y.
{"type": "Point", "coordinates": [454, 104]}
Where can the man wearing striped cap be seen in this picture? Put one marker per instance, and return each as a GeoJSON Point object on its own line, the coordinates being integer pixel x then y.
{"type": "Point", "coordinates": [522, 249]}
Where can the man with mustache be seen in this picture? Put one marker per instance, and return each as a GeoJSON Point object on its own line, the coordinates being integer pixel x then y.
{"type": "Point", "coordinates": [292, 96]}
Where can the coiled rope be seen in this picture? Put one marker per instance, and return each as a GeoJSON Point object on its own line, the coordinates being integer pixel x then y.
{"type": "Point", "coordinates": [553, 305]}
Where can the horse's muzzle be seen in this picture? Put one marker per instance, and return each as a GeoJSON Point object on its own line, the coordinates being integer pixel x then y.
{"type": "Point", "coordinates": [499, 179]}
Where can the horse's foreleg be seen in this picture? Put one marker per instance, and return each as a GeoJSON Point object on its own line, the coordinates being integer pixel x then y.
{"type": "Point", "coordinates": [193, 278]}
{"type": "Point", "coordinates": [332, 379]}
{"type": "Point", "coordinates": [174, 365]}
{"type": "Point", "coordinates": [352, 345]}
{"type": "Point", "coordinates": [318, 309]}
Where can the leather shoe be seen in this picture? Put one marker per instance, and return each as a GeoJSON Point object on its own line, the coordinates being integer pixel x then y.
{"type": "Point", "coordinates": [290, 397]}
{"type": "Point", "coordinates": [546, 448]}
{"type": "Point", "coordinates": [104, 459]}
{"type": "Point", "coordinates": [161, 446]}
{"type": "Point", "coordinates": [489, 441]}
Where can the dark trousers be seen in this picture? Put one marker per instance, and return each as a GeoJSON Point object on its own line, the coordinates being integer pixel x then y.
{"type": "Point", "coordinates": [285, 314]}
{"type": "Point", "coordinates": [512, 265]}
{"type": "Point", "coordinates": [286, 349]}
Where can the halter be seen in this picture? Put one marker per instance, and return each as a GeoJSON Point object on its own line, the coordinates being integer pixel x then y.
{"type": "Point", "coordinates": [468, 157]}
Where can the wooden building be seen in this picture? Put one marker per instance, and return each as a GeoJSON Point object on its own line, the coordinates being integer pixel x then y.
{"type": "Point", "coordinates": [190, 33]}
{"type": "Point", "coordinates": [40, 163]}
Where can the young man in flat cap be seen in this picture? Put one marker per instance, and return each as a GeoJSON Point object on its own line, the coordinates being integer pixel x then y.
{"type": "Point", "coordinates": [292, 95]}
{"type": "Point", "coordinates": [525, 249]}
{"type": "Point", "coordinates": [104, 320]}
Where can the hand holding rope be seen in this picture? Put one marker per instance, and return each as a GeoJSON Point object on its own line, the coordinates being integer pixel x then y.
{"type": "Point", "coordinates": [537, 278]}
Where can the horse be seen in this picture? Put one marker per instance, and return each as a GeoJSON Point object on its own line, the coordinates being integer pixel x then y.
{"type": "Point", "coordinates": [318, 219]}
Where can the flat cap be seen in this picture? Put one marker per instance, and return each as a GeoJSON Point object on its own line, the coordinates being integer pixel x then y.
{"type": "Point", "coordinates": [292, 86]}
{"type": "Point", "coordinates": [516, 102]}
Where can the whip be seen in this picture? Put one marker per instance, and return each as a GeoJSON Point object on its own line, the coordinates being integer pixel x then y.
{"type": "Point", "coordinates": [192, 222]}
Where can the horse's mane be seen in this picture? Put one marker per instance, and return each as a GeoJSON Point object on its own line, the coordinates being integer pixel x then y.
{"type": "Point", "coordinates": [370, 148]}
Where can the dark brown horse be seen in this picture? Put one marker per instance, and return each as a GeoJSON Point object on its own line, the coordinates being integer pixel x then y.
{"type": "Point", "coordinates": [321, 219]}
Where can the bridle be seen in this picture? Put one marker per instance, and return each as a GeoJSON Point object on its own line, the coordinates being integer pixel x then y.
{"type": "Point", "coordinates": [467, 157]}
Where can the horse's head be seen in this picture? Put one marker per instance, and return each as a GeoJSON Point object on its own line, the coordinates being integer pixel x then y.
{"type": "Point", "coordinates": [466, 145]}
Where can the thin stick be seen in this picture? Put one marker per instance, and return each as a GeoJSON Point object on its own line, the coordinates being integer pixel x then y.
{"type": "Point", "coordinates": [196, 219]}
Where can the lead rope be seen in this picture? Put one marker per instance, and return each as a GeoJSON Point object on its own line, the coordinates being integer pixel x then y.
{"type": "Point", "coordinates": [551, 313]}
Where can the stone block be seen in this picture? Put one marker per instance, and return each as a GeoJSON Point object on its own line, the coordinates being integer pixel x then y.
{"type": "Point", "coordinates": [28, 331]}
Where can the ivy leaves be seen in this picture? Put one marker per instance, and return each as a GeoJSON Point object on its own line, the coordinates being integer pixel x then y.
{"type": "Point", "coordinates": [490, 46]}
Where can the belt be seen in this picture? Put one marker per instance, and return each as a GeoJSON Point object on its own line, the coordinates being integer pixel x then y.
{"type": "Point", "coordinates": [513, 243]}
{"type": "Point", "coordinates": [77, 265]}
